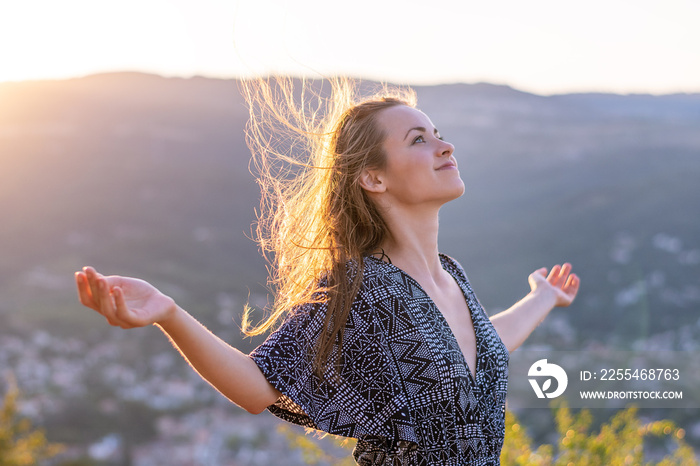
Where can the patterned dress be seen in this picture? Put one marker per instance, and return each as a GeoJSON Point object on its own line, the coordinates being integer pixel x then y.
{"type": "Point", "coordinates": [404, 389]}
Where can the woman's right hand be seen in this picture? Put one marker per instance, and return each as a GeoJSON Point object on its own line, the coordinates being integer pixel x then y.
{"type": "Point", "coordinates": [124, 302]}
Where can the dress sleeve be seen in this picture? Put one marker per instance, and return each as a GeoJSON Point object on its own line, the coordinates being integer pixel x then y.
{"type": "Point", "coordinates": [364, 398]}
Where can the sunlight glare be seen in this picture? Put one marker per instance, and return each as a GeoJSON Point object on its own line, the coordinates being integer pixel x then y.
{"type": "Point", "coordinates": [40, 39]}
{"type": "Point", "coordinates": [539, 46]}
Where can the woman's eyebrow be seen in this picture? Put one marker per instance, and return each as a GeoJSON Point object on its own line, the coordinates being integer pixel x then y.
{"type": "Point", "coordinates": [419, 128]}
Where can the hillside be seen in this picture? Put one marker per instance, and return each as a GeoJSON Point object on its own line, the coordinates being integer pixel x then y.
{"type": "Point", "coordinates": [148, 176]}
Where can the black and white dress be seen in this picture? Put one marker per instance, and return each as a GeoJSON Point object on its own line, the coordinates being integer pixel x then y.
{"type": "Point", "coordinates": [404, 389]}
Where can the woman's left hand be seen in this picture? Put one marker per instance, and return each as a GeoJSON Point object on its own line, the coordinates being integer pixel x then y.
{"type": "Point", "coordinates": [560, 283]}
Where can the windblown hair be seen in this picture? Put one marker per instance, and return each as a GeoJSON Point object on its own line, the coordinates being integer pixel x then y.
{"type": "Point", "coordinates": [316, 223]}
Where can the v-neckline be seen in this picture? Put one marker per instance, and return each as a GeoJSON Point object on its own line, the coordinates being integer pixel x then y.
{"type": "Point", "coordinates": [443, 260]}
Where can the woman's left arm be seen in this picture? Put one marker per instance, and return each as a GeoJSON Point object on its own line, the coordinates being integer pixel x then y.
{"type": "Point", "coordinates": [559, 288]}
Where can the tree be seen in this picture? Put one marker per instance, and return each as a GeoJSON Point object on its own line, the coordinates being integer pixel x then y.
{"type": "Point", "coordinates": [316, 451]}
{"type": "Point", "coordinates": [20, 443]}
{"type": "Point", "coordinates": [621, 441]}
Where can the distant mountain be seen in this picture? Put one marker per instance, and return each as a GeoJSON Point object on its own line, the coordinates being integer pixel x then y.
{"type": "Point", "coordinates": [147, 176]}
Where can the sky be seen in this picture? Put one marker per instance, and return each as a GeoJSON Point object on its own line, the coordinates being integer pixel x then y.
{"type": "Point", "coordinates": [540, 46]}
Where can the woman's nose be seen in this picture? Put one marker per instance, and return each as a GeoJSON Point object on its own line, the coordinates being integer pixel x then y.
{"type": "Point", "coordinates": [447, 148]}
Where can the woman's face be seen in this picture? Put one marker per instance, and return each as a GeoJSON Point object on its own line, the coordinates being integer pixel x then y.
{"type": "Point", "coordinates": [420, 168]}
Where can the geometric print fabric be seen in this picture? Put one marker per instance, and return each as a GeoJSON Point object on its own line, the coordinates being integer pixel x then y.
{"type": "Point", "coordinates": [404, 389]}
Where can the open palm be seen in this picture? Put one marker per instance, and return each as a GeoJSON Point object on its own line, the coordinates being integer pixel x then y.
{"type": "Point", "coordinates": [560, 282]}
{"type": "Point", "coordinates": [124, 302]}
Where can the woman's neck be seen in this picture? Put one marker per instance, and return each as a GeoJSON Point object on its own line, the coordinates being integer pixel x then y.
{"type": "Point", "coordinates": [412, 242]}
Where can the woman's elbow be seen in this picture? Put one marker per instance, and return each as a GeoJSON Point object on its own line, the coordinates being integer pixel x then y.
{"type": "Point", "coordinates": [255, 409]}
{"type": "Point", "coordinates": [260, 403]}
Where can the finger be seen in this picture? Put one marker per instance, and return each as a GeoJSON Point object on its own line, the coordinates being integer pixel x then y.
{"type": "Point", "coordinates": [553, 276]}
{"type": "Point", "coordinates": [537, 277]}
{"type": "Point", "coordinates": [572, 284]}
{"type": "Point", "coordinates": [565, 269]}
{"type": "Point", "coordinates": [561, 278]}
{"type": "Point", "coordinates": [107, 307]}
{"type": "Point", "coordinates": [93, 283]}
{"type": "Point", "coordinates": [84, 293]}
{"type": "Point", "coordinates": [564, 274]}
{"type": "Point", "coordinates": [122, 311]}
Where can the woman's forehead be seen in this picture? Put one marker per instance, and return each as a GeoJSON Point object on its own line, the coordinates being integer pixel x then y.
{"type": "Point", "coordinates": [396, 121]}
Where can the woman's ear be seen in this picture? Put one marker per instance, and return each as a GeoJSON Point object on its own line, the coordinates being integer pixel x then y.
{"type": "Point", "coordinates": [371, 180]}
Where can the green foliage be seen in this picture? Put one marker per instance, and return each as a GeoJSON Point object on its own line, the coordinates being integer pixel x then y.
{"type": "Point", "coordinates": [619, 442]}
{"type": "Point", "coordinates": [313, 450]}
{"type": "Point", "coordinates": [20, 443]}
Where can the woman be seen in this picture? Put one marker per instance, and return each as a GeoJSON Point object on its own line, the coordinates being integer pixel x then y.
{"type": "Point", "coordinates": [383, 339]}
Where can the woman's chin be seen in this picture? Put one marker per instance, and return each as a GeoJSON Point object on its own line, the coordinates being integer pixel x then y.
{"type": "Point", "coordinates": [459, 188]}
{"type": "Point", "coordinates": [455, 193]}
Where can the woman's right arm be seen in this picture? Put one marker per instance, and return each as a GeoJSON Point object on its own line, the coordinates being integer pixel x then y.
{"type": "Point", "coordinates": [129, 302]}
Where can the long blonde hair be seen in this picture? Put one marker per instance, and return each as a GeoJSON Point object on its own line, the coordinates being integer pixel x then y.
{"type": "Point", "coordinates": [310, 144]}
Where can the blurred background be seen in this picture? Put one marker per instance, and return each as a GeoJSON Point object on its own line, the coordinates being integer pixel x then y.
{"type": "Point", "coordinates": [577, 132]}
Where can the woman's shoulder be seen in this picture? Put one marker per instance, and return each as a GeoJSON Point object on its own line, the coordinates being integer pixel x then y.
{"type": "Point", "coordinates": [376, 272]}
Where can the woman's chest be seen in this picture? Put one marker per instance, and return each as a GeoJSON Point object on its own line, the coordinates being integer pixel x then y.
{"type": "Point", "coordinates": [458, 325]}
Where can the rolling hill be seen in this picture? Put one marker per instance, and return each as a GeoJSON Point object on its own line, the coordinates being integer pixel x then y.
{"type": "Point", "coordinates": [148, 176]}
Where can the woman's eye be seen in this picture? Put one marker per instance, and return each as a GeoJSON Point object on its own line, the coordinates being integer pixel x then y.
{"type": "Point", "coordinates": [419, 139]}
